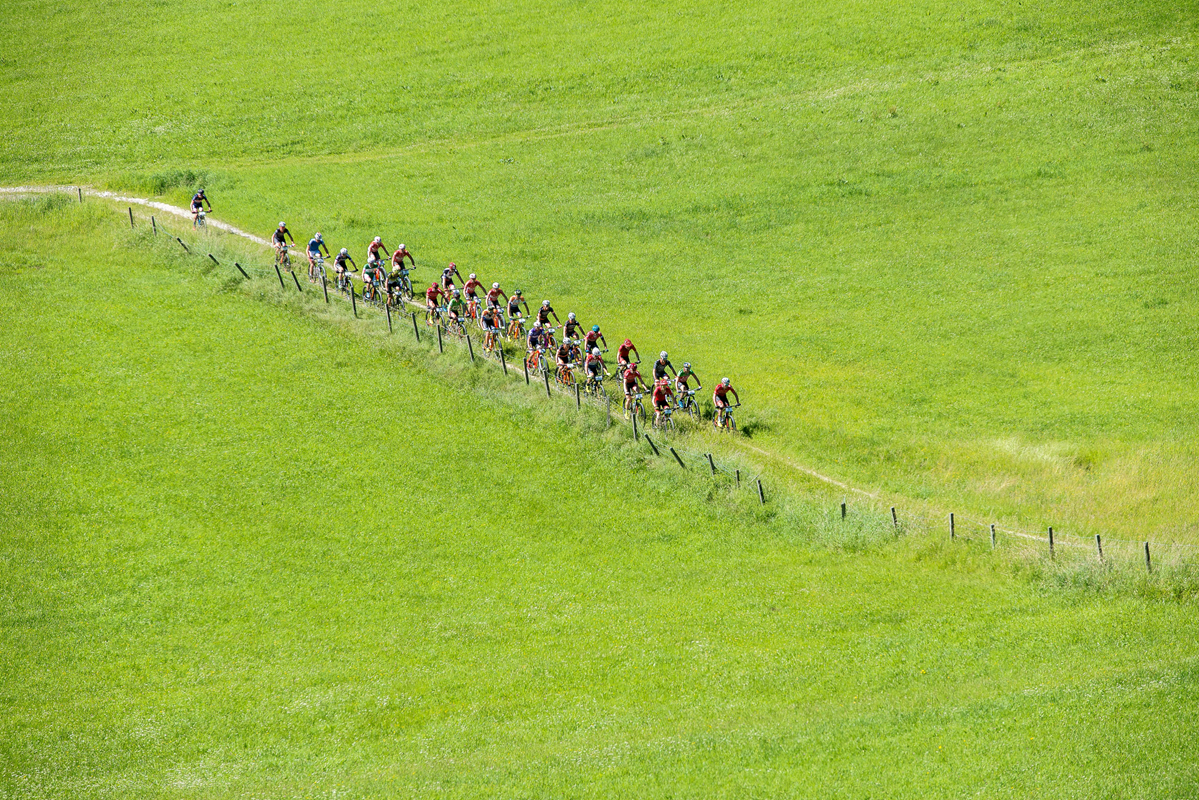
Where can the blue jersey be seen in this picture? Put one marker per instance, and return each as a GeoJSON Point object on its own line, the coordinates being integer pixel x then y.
{"type": "Point", "coordinates": [314, 246]}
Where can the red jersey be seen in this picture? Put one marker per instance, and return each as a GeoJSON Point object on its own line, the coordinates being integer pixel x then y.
{"type": "Point", "coordinates": [721, 391]}
{"type": "Point", "coordinates": [623, 351]}
{"type": "Point", "coordinates": [661, 392]}
{"type": "Point", "coordinates": [398, 257]}
{"type": "Point", "coordinates": [591, 339]}
{"type": "Point", "coordinates": [593, 361]}
{"type": "Point", "coordinates": [373, 250]}
{"type": "Point", "coordinates": [432, 292]}
{"type": "Point", "coordinates": [494, 295]}
{"type": "Point", "coordinates": [631, 376]}
{"type": "Point", "coordinates": [471, 285]}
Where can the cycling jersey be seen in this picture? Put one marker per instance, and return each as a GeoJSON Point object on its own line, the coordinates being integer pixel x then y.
{"type": "Point", "coordinates": [534, 338]}
{"type": "Point", "coordinates": [660, 395]}
{"type": "Point", "coordinates": [432, 293]}
{"type": "Point", "coordinates": [543, 314]}
{"type": "Point", "coordinates": [572, 329]}
{"type": "Point", "coordinates": [513, 305]}
{"type": "Point", "coordinates": [660, 368]}
{"type": "Point", "coordinates": [199, 200]}
{"type": "Point", "coordinates": [683, 377]}
{"type": "Point", "coordinates": [592, 338]}
{"type": "Point", "coordinates": [594, 364]}
{"type": "Point", "coordinates": [372, 252]}
{"type": "Point", "coordinates": [398, 257]}
{"type": "Point", "coordinates": [719, 395]}
{"type": "Point", "coordinates": [457, 306]}
{"type": "Point", "coordinates": [314, 246]}
{"type": "Point", "coordinates": [280, 235]}
{"type": "Point", "coordinates": [631, 376]}
{"type": "Point", "coordinates": [623, 352]}
{"type": "Point", "coordinates": [341, 261]}
{"type": "Point", "coordinates": [564, 354]}
{"type": "Point", "coordinates": [489, 320]}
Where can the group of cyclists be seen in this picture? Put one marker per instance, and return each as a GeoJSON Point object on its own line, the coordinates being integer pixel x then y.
{"type": "Point", "coordinates": [446, 303]}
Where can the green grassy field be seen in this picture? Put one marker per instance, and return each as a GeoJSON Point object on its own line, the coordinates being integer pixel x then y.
{"type": "Point", "coordinates": [198, 601]}
{"type": "Point", "coordinates": [946, 250]}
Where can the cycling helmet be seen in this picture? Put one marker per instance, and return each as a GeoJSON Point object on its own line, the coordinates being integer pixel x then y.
{"type": "Point", "coordinates": [473, 276]}
{"type": "Point", "coordinates": [517, 292]}
{"type": "Point", "coordinates": [401, 247]}
{"type": "Point", "coordinates": [663, 354]}
{"type": "Point", "coordinates": [456, 293]}
{"type": "Point", "coordinates": [282, 224]}
{"type": "Point", "coordinates": [724, 381]}
{"type": "Point", "coordinates": [345, 252]}
{"type": "Point", "coordinates": [495, 286]}
{"type": "Point", "coordinates": [595, 328]}
{"type": "Point", "coordinates": [571, 315]}
{"type": "Point", "coordinates": [378, 239]}
{"type": "Point", "coordinates": [686, 365]}
{"type": "Point", "coordinates": [317, 237]}
{"type": "Point", "coordinates": [545, 303]}
{"type": "Point", "coordinates": [628, 342]}
{"type": "Point", "coordinates": [537, 324]}
{"type": "Point", "coordinates": [595, 351]}
{"type": "Point", "coordinates": [452, 266]}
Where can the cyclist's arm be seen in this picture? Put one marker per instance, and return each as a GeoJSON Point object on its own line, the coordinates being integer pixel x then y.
{"type": "Point", "coordinates": [734, 391]}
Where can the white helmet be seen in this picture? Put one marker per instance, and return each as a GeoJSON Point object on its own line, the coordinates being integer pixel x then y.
{"type": "Point", "coordinates": [495, 286]}
{"type": "Point", "coordinates": [571, 315]}
{"type": "Point", "coordinates": [473, 276]}
{"type": "Point", "coordinates": [537, 324]}
{"type": "Point", "coordinates": [545, 303]}
{"type": "Point", "coordinates": [595, 351]}
{"type": "Point", "coordinates": [282, 224]}
{"type": "Point", "coordinates": [317, 237]}
{"type": "Point", "coordinates": [345, 252]}
{"type": "Point", "coordinates": [401, 247]}
{"type": "Point", "coordinates": [725, 381]}
{"type": "Point", "coordinates": [378, 239]}
{"type": "Point", "coordinates": [686, 365]}
{"type": "Point", "coordinates": [663, 354]}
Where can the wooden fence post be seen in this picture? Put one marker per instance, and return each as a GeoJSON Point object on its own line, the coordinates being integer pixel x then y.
{"type": "Point", "coordinates": [1051, 543]}
{"type": "Point", "coordinates": [952, 530]}
{"type": "Point", "coordinates": [470, 348]}
{"type": "Point", "coordinates": [415, 329]}
{"type": "Point", "coordinates": [1148, 563]}
{"type": "Point", "coordinates": [992, 535]}
{"type": "Point", "coordinates": [325, 289]}
{"type": "Point", "coordinates": [353, 294]}
{"type": "Point", "coordinates": [711, 463]}
{"type": "Point", "coordinates": [761, 494]}
{"type": "Point", "coordinates": [738, 474]}
{"type": "Point", "coordinates": [546, 374]}
{"type": "Point", "coordinates": [242, 271]}
{"type": "Point", "coordinates": [676, 458]}
{"type": "Point", "coordinates": [842, 509]}
{"type": "Point", "coordinates": [281, 286]}
{"type": "Point", "coordinates": [1099, 547]}
{"type": "Point", "coordinates": [389, 328]}
{"type": "Point", "coordinates": [652, 445]}
{"type": "Point", "coordinates": [440, 344]}
{"type": "Point", "coordinates": [894, 517]}
{"type": "Point", "coordinates": [188, 249]}
{"type": "Point", "coordinates": [154, 224]}
{"type": "Point", "coordinates": [130, 218]}
{"type": "Point", "coordinates": [80, 190]}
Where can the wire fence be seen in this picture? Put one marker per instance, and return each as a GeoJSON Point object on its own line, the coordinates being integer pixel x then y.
{"type": "Point", "coordinates": [664, 445]}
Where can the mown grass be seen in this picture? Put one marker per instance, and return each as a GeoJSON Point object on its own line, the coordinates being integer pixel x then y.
{"type": "Point", "coordinates": [947, 250]}
{"type": "Point", "coordinates": [200, 597]}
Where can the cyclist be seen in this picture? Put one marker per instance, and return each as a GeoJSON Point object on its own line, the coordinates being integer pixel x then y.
{"type": "Point", "coordinates": [545, 312]}
{"type": "Point", "coordinates": [397, 258]}
{"type": "Point", "coordinates": [374, 249]}
{"type": "Point", "coordinates": [721, 401]}
{"type": "Point", "coordinates": [372, 275]}
{"type": "Point", "coordinates": [514, 303]}
{"type": "Point", "coordinates": [534, 340]}
{"type": "Point", "coordinates": [343, 271]}
{"type": "Point", "coordinates": [661, 365]}
{"type": "Point", "coordinates": [314, 250]}
{"type": "Point", "coordinates": [573, 327]}
{"type": "Point", "coordinates": [395, 281]}
{"type": "Point", "coordinates": [447, 277]}
{"type": "Point", "coordinates": [573, 344]}
{"type": "Point", "coordinates": [682, 385]}
{"type": "Point", "coordinates": [279, 240]}
{"type": "Point", "coordinates": [622, 354]}
{"type": "Point", "coordinates": [456, 307]}
{"type": "Point", "coordinates": [491, 324]}
{"type": "Point", "coordinates": [632, 381]}
{"type": "Point", "coordinates": [681, 380]}
{"type": "Point", "coordinates": [432, 295]}
{"type": "Point", "coordinates": [593, 338]}
{"type": "Point", "coordinates": [662, 396]}
{"type": "Point", "coordinates": [493, 297]}
{"type": "Point", "coordinates": [472, 287]}
{"type": "Point", "coordinates": [199, 200]}
{"type": "Point", "coordinates": [595, 365]}
{"type": "Point", "coordinates": [565, 358]}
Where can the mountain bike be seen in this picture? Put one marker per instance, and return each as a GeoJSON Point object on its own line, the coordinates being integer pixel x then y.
{"type": "Point", "coordinates": [547, 338]}
{"type": "Point", "coordinates": [434, 317]}
{"type": "Point", "coordinates": [316, 269]}
{"type": "Point", "coordinates": [688, 405]}
{"type": "Point", "coordinates": [634, 407]}
{"type": "Point", "coordinates": [455, 327]}
{"type": "Point", "coordinates": [565, 376]}
{"type": "Point", "coordinates": [345, 283]}
{"type": "Point", "coordinates": [664, 419]}
{"type": "Point", "coordinates": [724, 419]}
{"type": "Point", "coordinates": [535, 360]}
{"type": "Point", "coordinates": [516, 328]}
{"type": "Point", "coordinates": [200, 222]}
{"type": "Point", "coordinates": [282, 258]}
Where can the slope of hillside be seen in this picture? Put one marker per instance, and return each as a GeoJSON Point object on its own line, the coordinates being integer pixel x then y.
{"type": "Point", "coordinates": [251, 552]}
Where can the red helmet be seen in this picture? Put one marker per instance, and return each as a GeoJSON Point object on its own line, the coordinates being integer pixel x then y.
{"type": "Point", "coordinates": [628, 342]}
